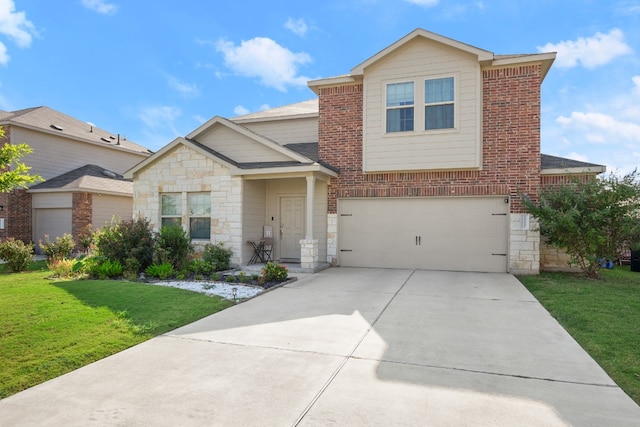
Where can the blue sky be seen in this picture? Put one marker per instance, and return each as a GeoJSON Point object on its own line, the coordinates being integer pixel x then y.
{"type": "Point", "coordinates": [153, 70]}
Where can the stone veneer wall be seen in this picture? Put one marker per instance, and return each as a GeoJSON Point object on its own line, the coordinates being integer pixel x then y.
{"type": "Point", "coordinates": [184, 170]}
{"type": "Point", "coordinates": [510, 153]}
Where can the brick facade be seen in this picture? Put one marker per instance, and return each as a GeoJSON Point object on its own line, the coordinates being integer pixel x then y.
{"type": "Point", "coordinates": [81, 215]}
{"type": "Point", "coordinates": [510, 145]}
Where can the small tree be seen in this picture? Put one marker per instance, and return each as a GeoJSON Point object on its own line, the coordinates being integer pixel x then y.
{"type": "Point", "coordinates": [591, 219]}
{"type": "Point", "coordinates": [13, 173]}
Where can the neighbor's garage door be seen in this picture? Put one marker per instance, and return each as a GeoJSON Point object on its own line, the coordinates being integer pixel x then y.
{"type": "Point", "coordinates": [53, 222]}
{"type": "Point", "coordinates": [455, 233]}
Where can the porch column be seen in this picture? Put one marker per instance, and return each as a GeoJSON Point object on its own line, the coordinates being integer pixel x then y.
{"type": "Point", "coordinates": [311, 191]}
{"type": "Point", "coordinates": [309, 258]}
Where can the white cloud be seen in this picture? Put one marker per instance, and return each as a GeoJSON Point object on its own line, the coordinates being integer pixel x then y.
{"type": "Point", "coordinates": [16, 26]}
{"type": "Point", "coordinates": [185, 89]}
{"type": "Point", "coordinates": [261, 57]}
{"type": "Point", "coordinates": [590, 52]}
{"type": "Point", "coordinates": [576, 156]}
{"type": "Point", "coordinates": [602, 128]}
{"type": "Point", "coordinates": [297, 26]}
{"type": "Point", "coordinates": [100, 6]}
{"type": "Point", "coordinates": [264, 107]}
{"type": "Point", "coordinates": [240, 110]}
{"type": "Point", "coordinates": [160, 117]}
{"type": "Point", "coordinates": [636, 83]}
{"type": "Point", "coordinates": [424, 3]}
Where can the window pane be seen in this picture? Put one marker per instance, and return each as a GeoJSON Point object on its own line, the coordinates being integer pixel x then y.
{"type": "Point", "coordinates": [399, 94]}
{"type": "Point", "coordinates": [439, 116]}
{"type": "Point", "coordinates": [400, 120]}
{"type": "Point", "coordinates": [200, 228]}
{"type": "Point", "coordinates": [438, 90]}
{"type": "Point", "coordinates": [168, 222]}
{"type": "Point", "coordinates": [171, 204]}
{"type": "Point", "coordinates": [199, 204]}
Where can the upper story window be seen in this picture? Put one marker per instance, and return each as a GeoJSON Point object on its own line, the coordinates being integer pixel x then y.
{"type": "Point", "coordinates": [171, 210]}
{"type": "Point", "coordinates": [200, 215]}
{"type": "Point", "coordinates": [400, 107]}
{"type": "Point", "coordinates": [439, 103]}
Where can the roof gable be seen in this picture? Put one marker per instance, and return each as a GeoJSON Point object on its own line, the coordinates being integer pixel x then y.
{"type": "Point", "coordinates": [48, 120]}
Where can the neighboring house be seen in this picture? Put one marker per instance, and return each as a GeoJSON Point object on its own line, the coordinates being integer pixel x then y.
{"type": "Point", "coordinates": [418, 158]}
{"type": "Point", "coordinates": [82, 166]}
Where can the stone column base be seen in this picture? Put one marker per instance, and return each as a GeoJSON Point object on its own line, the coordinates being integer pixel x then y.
{"type": "Point", "coordinates": [309, 257]}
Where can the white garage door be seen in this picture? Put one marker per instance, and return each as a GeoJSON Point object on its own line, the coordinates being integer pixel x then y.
{"type": "Point", "coordinates": [53, 222]}
{"type": "Point", "coordinates": [454, 233]}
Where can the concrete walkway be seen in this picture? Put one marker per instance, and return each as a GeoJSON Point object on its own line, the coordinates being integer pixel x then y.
{"type": "Point", "coordinates": [347, 347]}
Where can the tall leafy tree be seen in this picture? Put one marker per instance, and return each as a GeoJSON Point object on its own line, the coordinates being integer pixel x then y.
{"type": "Point", "coordinates": [14, 173]}
{"type": "Point", "coordinates": [592, 220]}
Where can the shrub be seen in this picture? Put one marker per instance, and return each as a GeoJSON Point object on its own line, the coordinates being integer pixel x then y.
{"type": "Point", "coordinates": [217, 255]}
{"type": "Point", "coordinates": [58, 250]}
{"type": "Point", "coordinates": [62, 267]}
{"type": "Point", "coordinates": [86, 239]}
{"type": "Point", "coordinates": [201, 267]}
{"type": "Point", "coordinates": [130, 239]}
{"type": "Point", "coordinates": [274, 272]}
{"type": "Point", "coordinates": [107, 268]}
{"type": "Point", "coordinates": [176, 244]}
{"type": "Point", "coordinates": [162, 271]}
{"type": "Point", "coordinates": [17, 254]}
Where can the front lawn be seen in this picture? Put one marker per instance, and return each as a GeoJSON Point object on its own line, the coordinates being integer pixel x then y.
{"type": "Point", "coordinates": [603, 315]}
{"type": "Point", "coordinates": [49, 328]}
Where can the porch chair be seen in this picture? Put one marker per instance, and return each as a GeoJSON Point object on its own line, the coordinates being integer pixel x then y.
{"type": "Point", "coordinates": [267, 243]}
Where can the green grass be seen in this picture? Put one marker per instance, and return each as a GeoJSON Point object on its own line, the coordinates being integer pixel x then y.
{"type": "Point", "coordinates": [603, 315]}
{"type": "Point", "coordinates": [49, 328]}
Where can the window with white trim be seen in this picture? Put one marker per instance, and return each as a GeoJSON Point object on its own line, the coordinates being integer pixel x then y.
{"type": "Point", "coordinates": [400, 107]}
{"type": "Point", "coordinates": [200, 216]}
{"type": "Point", "coordinates": [171, 209]}
{"type": "Point", "coordinates": [439, 100]}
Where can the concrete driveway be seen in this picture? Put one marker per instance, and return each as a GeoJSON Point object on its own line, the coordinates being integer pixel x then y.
{"type": "Point", "coordinates": [347, 347]}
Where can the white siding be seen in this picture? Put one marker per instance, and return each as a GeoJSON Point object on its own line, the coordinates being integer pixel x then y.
{"type": "Point", "coordinates": [458, 148]}
{"type": "Point", "coordinates": [287, 131]}
{"type": "Point", "coordinates": [51, 200]}
{"type": "Point", "coordinates": [54, 155]}
{"type": "Point", "coordinates": [238, 147]}
{"type": "Point", "coordinates": [106, 209]}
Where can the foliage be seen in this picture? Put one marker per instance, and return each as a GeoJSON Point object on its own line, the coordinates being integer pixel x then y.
{"type": "Point", "coordinates": [58, 250]}
{"type": "Point", "coordinates": [15, 174]}
{"type": "Point", "coordinates": [86, 239]}
{"type": "Point", "coordinates": [274, 272]}
{"type": "Point", "coordinates": [200, 266]}
{"type": "Point", "coordinates": [218, 256]}
{"type": "Point", "coordinates": [591, 220]}
{"type": "Point", "coordinates": [107, 268]}
{"type": "Point", "coordinates": [16, 253]}
{"type": "Point", "coordinates": [161, 271]}
{"type": "Point", "coordinates": [129, 239]}
{"type": "Point", "coordinates": [603, 316]}
{"type": "Point", "coordinates": [175, 245]}
{"type": "Point", "coordinates": [53, 328]}
{"type": "Point", "coordinates": [62, 268]}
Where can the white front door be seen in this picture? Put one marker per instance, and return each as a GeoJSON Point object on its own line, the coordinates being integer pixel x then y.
{"type": "Point", "coordinates": [291, 226]}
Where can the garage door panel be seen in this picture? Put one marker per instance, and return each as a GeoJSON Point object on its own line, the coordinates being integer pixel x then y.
{"type": "Point", "coordinates": [467, 234]}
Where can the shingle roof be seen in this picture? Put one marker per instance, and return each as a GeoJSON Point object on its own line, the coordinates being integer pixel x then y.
{"type": "Point", "coordinates": [309, 107]}
{"type": "Point", "coordinates": [54, 122]}
{"type": "Point", "coordinates": [88, 178]}
{"type": "Point", "coordinates": [554, 162]}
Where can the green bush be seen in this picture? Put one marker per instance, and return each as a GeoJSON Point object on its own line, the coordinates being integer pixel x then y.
{"type": "Point", "coordinates": [107, 269]}
{"type": "Point", "coordinates": [217, 255]}
{"type": "Point", "coordinates": [58, 250]}
{"type": "Point", "coordinates": [175, 244]}
{"type": "Point", "coordinates": [130, 239]}
{"type": "Point", "coordinates": [17, 254]}
{"type": "Point", "coordinates": [200, 266]}
{"type": "Point", "coordinates": [161, 271]}
{"type": "Point", "coordinates": [274, 272]}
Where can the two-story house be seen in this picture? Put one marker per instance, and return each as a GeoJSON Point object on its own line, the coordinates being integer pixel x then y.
{"type": "Point", "coordinates": [419, 157]}
{"type": "Point", "coordinates": [82, 166]}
